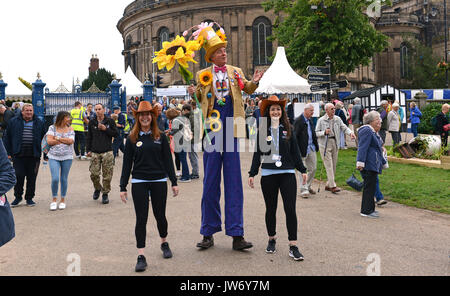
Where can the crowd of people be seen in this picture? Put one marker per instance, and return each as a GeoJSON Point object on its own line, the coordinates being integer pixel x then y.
{"type": "Point", "coordinates": [160, 137]}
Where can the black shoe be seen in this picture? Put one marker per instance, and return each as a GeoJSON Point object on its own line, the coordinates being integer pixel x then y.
{"type": "Point", "coordinates": [195, 176]}
{"type": "Point", "coordinates": [239, 243]}
{"type": "Point", "coordinates": [141, 264]}
{"type": "Point", "coordinates": [295, 253]}
{"type": "Point", "coordinates": [271, 247]}
{"type": "Point", "coordinates": [105, 199]}
{"type": "Point", "coordinates": [96, 194]}
{"type": "Point", "coordinates": [167, 253]}
{"type": "Point", "coordinates": [16, 202]}
{"type": "Point", "coordinates": [30, 203]}
{"type": "Point", "coordinates": [207, 242]}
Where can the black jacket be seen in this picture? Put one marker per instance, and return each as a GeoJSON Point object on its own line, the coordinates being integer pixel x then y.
{"type": "Point", "coordinates": [289, 152]}
{"type": "Point", "coordinates": [441, 120]}
{"type": "Point", "coordinates": [147, 159]}
{"type": "Point", "coordinates": [14, 131]}
{"type": "Point", "coordinates": [99, 141]}
{"type": "Point", "coordinates": [301, 134]}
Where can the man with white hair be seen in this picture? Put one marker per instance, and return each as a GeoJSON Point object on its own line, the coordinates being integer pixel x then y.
{"type": "Point", "coordinates": [393, 123]}
{"type": "Point", "coordinates": [384, 123]}
{"type": "Point", "coordinates": [328, 131]}
{"type": "Point", "coordinates": [307, 143]}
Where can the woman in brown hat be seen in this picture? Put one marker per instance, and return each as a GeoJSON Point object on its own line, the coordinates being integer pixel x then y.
{"type": "Point", "coordinates": [280, 156]}
{"type": "Point", "coordinates": [148, 159]}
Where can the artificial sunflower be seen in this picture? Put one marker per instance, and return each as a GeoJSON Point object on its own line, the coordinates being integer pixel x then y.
{"type": "Point", "coordinates": [221, 35]}
{"type": "Point", "coordinates": [206, 78]}
{"type": "Point", "coordinates": [176, 51]}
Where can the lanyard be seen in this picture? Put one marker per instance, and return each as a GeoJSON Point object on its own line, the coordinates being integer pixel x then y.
{"type": "Point", "coordinates": [276, 140]}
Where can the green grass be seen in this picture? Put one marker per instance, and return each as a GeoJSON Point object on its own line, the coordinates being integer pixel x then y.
{"type": "Point", "coordinates": [408, 184]}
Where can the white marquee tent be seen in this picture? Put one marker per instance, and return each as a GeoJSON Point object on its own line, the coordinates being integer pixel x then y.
{"type": "Point", "coordinates": [280, 78]}
{"type": "Point", "coordinates": [132, 84]}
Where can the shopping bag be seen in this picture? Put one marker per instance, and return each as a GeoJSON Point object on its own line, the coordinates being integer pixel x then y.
{"type": "Point", "coordinates": [353, 182]}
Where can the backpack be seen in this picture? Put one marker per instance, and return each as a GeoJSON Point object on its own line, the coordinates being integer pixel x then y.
{"type": "Point", "coordinates": [434, 123]}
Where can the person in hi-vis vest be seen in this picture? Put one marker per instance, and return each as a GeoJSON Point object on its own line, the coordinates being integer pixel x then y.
{"type": "Point", "coordinates": [78, 120]}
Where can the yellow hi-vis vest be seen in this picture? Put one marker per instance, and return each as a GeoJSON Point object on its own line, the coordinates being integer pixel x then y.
{"type": "Point", "coordinates": [127, 124]}
{"type": "Point", "coordinates": [77, 120]}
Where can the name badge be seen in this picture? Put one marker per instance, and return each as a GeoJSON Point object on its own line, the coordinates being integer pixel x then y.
{"type": "Point", "coordinates": [139, 144]}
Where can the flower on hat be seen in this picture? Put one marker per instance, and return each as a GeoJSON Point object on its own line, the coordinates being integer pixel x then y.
{"type": "Point", "coordinates": [177, 50]}
{"type": "Point", "coordinates": [206, 78]}
{"type": "Point", "coordinates": [221, 34]}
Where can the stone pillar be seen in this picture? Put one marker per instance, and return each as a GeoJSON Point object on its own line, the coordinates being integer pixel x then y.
{"type": "Point", "coordinates": [115, 94]}
{"type": "Point", "coordinates": [421, 99]}
{"type": "Point", "coordinates": [3, 86]}
{"type": "Point", "coordinates": [148, 91]}
{"type": "Point", "coordinates": [37, 97]}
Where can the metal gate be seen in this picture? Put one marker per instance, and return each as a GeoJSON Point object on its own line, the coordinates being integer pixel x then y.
{"type": "Point", "coordinates": [55, 102]}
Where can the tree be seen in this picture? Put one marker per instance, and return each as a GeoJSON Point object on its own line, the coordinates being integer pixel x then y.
{"type": "Point", "coordinates": [424, 72]}
{"type": "Point", "coordinates": [339, 29]}
{"type": "Point", "coordinates": [101, 77]}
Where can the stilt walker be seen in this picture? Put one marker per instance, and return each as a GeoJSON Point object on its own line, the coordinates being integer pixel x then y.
{"type": "Point", "coordinates": [219, 92]}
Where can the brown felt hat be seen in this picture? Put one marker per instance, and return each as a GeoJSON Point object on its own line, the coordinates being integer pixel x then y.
{"type": "Point", "coordinates": [145, 106]}
{"type": "Point", "coordinates": [272, 100]}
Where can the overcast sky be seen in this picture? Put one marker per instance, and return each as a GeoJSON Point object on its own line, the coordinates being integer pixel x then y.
{"type": "Point", "coordinates": [57, 39]}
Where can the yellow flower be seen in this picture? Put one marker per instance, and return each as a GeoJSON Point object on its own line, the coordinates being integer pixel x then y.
{"type": "Point", "coordinates": [206, 78]}
{"type": "Point", "coordinates": [221, 35]}
{"type": "Point", "coordinates": [176, 51]}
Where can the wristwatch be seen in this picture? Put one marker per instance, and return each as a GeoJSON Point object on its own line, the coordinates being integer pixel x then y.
{"type": "Point", "coordinates": [58, 138]}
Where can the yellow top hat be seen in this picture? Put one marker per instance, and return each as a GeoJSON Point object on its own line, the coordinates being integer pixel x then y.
{"type": "Point", "coordinates": [213, 42]}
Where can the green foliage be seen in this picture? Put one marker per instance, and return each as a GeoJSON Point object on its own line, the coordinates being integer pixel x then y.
{"type": "Point", "coordinates": [402, 183]}
{"type": "Point", "coordinates": [26, 83]}
{"type": "Point", "coordinates": [424, 72]}
{"type": "Point", "coordinates": [341, 30]}
{"type": "Point", "coordinates": [428, 112]}
{"type": "Point", "coordinates": [101, 77]}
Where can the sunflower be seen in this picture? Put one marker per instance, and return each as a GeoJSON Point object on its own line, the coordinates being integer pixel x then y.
{"type": "Point", "coordinates": [221, 35]}
{"type": "Point", "coordinates": [206, 78]}
{"type": "Point", "coordinates": [176, 51]}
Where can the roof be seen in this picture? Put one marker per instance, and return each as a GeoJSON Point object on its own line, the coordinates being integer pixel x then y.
{"type": "Point", "coordinates": [363, 92]}
{"type": "Point", "coordinates": [132, 84]}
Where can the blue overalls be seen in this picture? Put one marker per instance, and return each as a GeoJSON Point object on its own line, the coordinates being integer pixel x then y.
{"type": "Point", "coordinates": [212, 163]}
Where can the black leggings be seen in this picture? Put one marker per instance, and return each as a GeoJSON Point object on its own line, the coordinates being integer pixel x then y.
{"type": "Point", "coordinates": [140, 192]}
{"type": "Point", "coordinates": [287, 185]}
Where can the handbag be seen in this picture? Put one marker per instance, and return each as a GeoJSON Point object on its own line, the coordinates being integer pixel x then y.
{"type": "Point", "coordinates": [446, 127]}
{"type": "Point", "coordinates": [353, 182]}
{"type": "Point", "coordinates": [7, 229]}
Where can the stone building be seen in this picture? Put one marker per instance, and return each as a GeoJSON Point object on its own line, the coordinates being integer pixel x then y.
{"type": "Point", "coordinates": [147, 23]}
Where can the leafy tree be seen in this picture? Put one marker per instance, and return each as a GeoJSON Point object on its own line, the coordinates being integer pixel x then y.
{"type": "Point", "coordinates": [339, 29]}
{"type": "Point", "coordinates": [424, 72]}
{"type": "Point", "coordinates": [101, 77]}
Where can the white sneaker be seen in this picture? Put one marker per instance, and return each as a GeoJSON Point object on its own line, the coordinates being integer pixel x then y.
{"type": "Point", "coordinates": [178, 174]}
{"type": "Point", "coordinates": [62, 206]}
{"type": "Point", "coordinates": [83, 157]}
{"type": "Point", "coordinates": [53, 206]}
{"type": "Point", "coordinates": [304, 193]}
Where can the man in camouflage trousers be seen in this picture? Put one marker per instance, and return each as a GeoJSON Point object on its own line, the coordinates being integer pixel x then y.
{"type": "Point", "coordinates": [101, 130]}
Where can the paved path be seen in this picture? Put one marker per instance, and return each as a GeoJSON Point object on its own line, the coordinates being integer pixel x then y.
{"type": "Point", "coordinates": [333, 237]}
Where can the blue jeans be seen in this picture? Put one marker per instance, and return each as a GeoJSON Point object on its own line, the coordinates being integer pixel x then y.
{"type": "Point", "coordinates": [378, 195]}
{"type": "Point", "coordinates": [414, 129]}
{"type": "Point", "coordinates": [184, 166]}
{"type": "Point", "coordinates": [60, 171]}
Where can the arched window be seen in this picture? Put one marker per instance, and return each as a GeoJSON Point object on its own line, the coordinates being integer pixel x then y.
{"type": "Point", "coordinates": [405, 60]}
{"type": "Point", "coordinates": [262, 48]}
{"type": "Point", "coordinates": [163, 35]}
